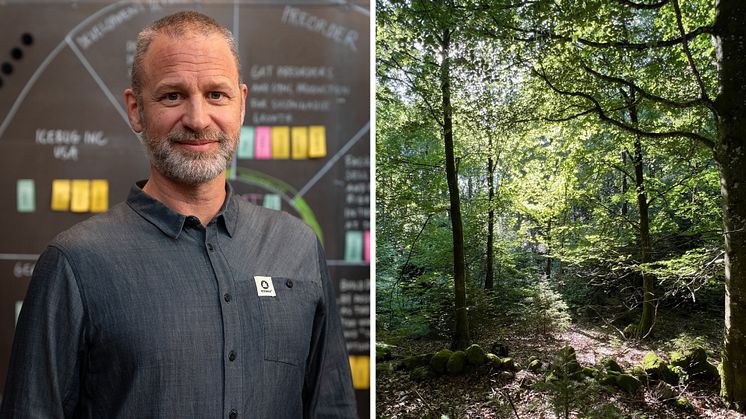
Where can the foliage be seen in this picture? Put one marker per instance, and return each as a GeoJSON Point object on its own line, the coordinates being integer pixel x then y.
{"type": "Point", "coordinates": [545, 311]}
{"type": "Point", "coordinates": [569, 392]}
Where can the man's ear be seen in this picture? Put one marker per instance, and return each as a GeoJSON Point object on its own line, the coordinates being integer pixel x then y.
{"type": "Point", "coordinates": [133, 110]}
{"type": "Point", "coordinates": [244, 91]}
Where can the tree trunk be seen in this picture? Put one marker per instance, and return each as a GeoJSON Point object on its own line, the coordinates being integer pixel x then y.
{"type": "Point", "coordinates": [548, 265]}
{"type": "Point", "coordinates": [648, 314]}
{"type": "Point", "coordinates": [624, 186]}
{"type": "Point", "coordinates": [489, 275]}
{"type": "Point", "coordinates": [461, 333]}
{"type": "Point", "coordinates": [731, 156]}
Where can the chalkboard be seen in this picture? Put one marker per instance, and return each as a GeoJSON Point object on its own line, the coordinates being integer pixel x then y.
{"type": "Point", "coordinates": [67, 151]}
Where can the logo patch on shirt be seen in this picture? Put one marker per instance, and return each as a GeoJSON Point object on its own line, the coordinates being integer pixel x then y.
{"type": "Point", "coordinates": [264, 287]}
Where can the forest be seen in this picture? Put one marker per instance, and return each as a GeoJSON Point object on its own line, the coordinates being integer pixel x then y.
{"type": "Point", "coordinates": [560, 208]}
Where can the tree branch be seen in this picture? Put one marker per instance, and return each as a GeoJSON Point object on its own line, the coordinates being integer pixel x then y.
{"type": "Point", "coordinates": [619, 124]}
{"type": "Point", "coordinates": [538, 35]}
{"type": "Point", "coordinates": [685, 45]}
{"type": "Point", "coordinates": [643, 5]}
{"type": "Point", "coordinates": [703, 101]}
{"type": "Point", "coordinates": [413, 85]}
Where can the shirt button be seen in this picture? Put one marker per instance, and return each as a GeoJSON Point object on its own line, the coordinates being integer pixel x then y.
{"type": "Point", "coordinates": [233, 414]}
{"type": "Point", "coordinates": [210, 247]}
{"type": "Point", "coordinates": [227, 297]}
{"type": "Point", "coordinates": [192, 221]}
{"type": "Point", "coordinates": [232, 356]}
{"type": "Point", "coordinates": [289, 283]}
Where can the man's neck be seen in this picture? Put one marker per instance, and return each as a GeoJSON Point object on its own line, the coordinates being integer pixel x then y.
{"type": "Point", "coordinates": [203, 200]}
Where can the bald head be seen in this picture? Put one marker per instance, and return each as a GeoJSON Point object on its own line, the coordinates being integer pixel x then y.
{"type": "Point", "coordinates": [177, 26]}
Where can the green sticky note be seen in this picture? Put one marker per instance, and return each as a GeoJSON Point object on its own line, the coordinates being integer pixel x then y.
{"type": "Point", "coordinates": [354, 246]}
{"type": "Point", "coordinates": [246, 144]}
{"type": "Point", "coordinates": [272, 201]}
{"type": "Point", "coordinates": [26, 197]}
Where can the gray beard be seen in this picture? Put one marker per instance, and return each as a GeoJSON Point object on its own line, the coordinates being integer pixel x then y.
{"type": "Point", "coordinates": [189, 167]}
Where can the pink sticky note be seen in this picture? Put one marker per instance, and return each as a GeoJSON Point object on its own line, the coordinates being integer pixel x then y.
{"type": "Point", "coordinates": [263, 143]}
{"type": "Point", "coordinates": [366, 246]}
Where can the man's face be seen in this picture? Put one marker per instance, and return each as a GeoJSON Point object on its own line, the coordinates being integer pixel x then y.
{"type": "Point", "coordinates": [192, 107]}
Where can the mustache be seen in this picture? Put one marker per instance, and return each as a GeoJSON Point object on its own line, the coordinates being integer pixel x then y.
{"type": "Point", "coordinates": [196, 137]}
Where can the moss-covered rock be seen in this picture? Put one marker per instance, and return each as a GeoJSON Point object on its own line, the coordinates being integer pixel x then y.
{"type": "Point", "coordinates": [456, 363]}
{"type": "Point", "coordinates": [610, 364]}
{"type": "Point", "coordinates": [710, 372]}
{"type": "Point", "coordinates": [565, 362]}
{"type": "Point", "coordinates": [422, 374]}
{"type": "Point", "coordinates": [494, 361]}
{"type": "Point", "coordinates": [684, 404]}
{"type": "Point", "coordinates": [535, 365]}
{"type": "Point", "coordinates": [677, 359]}
{"type": "Point", "coordinates": [664, 391]}
{"type": "Point", "coordinates": [638, 371]}
{"type": "Point", "coordinates": [658, 369]}
{"type": "Point", "coordinates": [589, 372]}
{"type": "Point", "coordinates": [508, 364]}
{"type": "Point", "coordinates": [439, 361]}
{"type": "Point", "coordinates": [627, 383]}
{"type": "Point", "coordinates": [475, 355]}
{"type": "Point", "coordinates": [384, 352]}
{"type": "Point", "coordinates": [383, 368]}
{"type": "Point", "coordinates": [411, 362]}
{"type": "Point", "coordinates": [694, 363]}
{"type": "Point", "coordinates": [609, 379]}
{"type": "Point", "coordinates": [499, 349]}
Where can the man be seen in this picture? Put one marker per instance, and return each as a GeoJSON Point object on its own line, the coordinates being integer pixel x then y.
{"type": "Point", "coordinates": [185, 301]}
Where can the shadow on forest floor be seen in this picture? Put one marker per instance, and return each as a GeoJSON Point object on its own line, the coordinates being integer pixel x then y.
{"type": "Point", "coordinates": [486, 393]}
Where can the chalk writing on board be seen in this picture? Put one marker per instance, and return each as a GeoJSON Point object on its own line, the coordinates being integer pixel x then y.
{"type": "Point", "coordinates": [65, 142]}
{"type": "Point", "coordinates": [334, 31]}
{"type": "Point", "coordinates": [108, 24]}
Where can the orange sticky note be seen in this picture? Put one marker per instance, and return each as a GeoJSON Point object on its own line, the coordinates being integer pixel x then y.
{"type": "Point", "coordinates": [317, 141]}
{"type": "Point", "coordinates": [99, 195]}
{"type": "Point", "coordinates": [280, 142]}
{"type": "Point", "coordinates": [61, 195]}
{"type": "Point", "coordinates": [80, 200]}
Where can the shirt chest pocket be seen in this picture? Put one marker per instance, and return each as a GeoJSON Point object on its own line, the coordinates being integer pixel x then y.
{"type": "Point", "coordinates": [287, 320]}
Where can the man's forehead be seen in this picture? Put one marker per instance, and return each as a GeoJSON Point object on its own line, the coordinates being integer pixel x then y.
{"type": "Point", "coordinates": [191, 52]}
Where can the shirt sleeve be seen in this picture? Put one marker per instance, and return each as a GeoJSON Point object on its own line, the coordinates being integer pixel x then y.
{"type": "Point", "coordinates": [43, 379]}
{"type": "Point", "coordinates": [328, 391]}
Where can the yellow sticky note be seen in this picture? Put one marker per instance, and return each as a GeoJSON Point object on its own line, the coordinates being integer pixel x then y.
{"type": "Point", "coordinates": [280, 142]}
{"type": "Point", "coordinates": [81, 195]}
{"type": "Point", "coordinates": [60, 195]}
{"type": "Point", "coordinates": [99, 195]}
{"type": "Point", "coordinates": [299, 136]}
{"type": "Point", "coordinates": [317, 142]}
{"type": "Point", "coordinates": [360, 366]}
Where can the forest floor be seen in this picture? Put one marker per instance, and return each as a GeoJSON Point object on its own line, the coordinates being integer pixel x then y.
{"type": "Point", "coordinates": [498, 394]}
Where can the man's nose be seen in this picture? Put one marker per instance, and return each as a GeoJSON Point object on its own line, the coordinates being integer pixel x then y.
{"type": "Point", "coordinates": [196, 116]}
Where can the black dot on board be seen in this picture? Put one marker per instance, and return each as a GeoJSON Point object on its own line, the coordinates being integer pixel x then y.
{"type": "Point", "coordinates": [16, 53]}
{"type": "Point", "coordinates": [6, 68]}
{"type": "Point", "coordinates": [27, 39]}
{"type": "Point", "coordinates": [1, 82]}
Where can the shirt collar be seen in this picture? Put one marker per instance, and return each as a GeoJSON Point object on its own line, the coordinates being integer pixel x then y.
{"type": "Point", "coordinates": [170, 222]}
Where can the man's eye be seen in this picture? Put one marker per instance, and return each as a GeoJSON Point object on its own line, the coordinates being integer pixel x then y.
{"type": "Point", "coordinates": [216, 95]}
{"type": "Point", "coordinates": [172, 96]}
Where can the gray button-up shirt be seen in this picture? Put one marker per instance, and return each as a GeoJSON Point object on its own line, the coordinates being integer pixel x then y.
{"type": "Point", "coordinates": [145, 313]}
